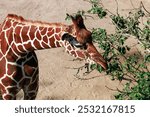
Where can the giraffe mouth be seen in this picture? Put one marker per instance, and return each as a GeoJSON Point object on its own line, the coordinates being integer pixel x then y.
{"type": "Point", "coordinates": [72, 40]}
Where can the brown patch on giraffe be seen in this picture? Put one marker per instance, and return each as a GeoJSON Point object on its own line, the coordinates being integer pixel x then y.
{"type": "Point", "coordinates": [32, 32]}
{"type": "Point", "coordinates": [11, 56]}
{"type": "Point", "coordinates": [28, 46]}
{"type": "Point", "coordinates": [4, 45]}
{"type": "Point", "coordinates": [9, 35]}
{"type": "Point", "coordinates": [43, 32]}
{"type": "Point", "coordinates": [45, 39]}
{"type": "Point", "coordinates": [45, 45]}
{"type": "Point", "coordinates": [17, 37]}
{"type": "Point", "coordinates": [24, 33]}
{"type": "Point", "coordinates": [57, 44]}
{"type": "Point", "coordinates": [17, 29]}
{"type": "Point", "coordinates": [28, 70]}
{"type": "Point", "coordinates": [50, 29]}
{"type": "Point", "coordinates": [11, 69]}
{"type": "Point", "coordinates": [50, 33]}
{"type": "Point", "coordinates": [8, 82]}
{"type": "Point", "coordinates": [38, 35]}
{"type": "Point", "coordinates": [2, 89]}
{"type": "Point", "coordinates": [52, 40]}
{"type": "Point", "coordinates": [37, 44]}
{"type": "Point", "coordinates": [2, 36]}
{"type": "Point", "coordinates": [7, 24]}
{"type": "Point", "coordinates": [73, 53]}
{"type": "Point", "coordinates": [69, 47]}
{"type": "Point", "coordinates": [2, 67]}
{"type": "Point", "coordinates": [57, 37]}
{"type": "Point", "coordinates": [14, 24]}
{"type": "Point", "coordinates": [7, 97]}
{"type": "Point", "coordinates": [58, 30]}
{"type": "Point", "coordinates": [20, 47]}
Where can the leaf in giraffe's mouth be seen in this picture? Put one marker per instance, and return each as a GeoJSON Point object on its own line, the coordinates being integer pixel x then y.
{"type": "Point", "coordinates": [72, 40]}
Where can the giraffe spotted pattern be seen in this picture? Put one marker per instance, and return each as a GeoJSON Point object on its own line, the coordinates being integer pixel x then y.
{"type": "Point", "coordinates": [19, 38]}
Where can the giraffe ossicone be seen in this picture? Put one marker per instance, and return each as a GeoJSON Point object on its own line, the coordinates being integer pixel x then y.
{"type": "Point", "coordinates": [19, 38]}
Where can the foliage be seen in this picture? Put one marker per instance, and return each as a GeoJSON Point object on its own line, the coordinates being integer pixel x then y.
{"type": "Point", "coordinates": [130, 25]}
{"type": "Point", "coordinates": [97, 9]}
{"type": "Point", "coordinates": [122, 65]}
{"type": "Point", "coordinates": [133, 67]}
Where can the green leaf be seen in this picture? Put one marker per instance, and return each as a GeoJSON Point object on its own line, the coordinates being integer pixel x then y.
{"type": "Point", "coordinates": [99, 68]}
{"type": "Point", "coordinates": [122, 50]}
{"type": "Point", "coordinates": [96, 9]}
{"type": "Point", "coordinates": [93, 66]}
{"type": "Point", "coordinates": [147, 58]}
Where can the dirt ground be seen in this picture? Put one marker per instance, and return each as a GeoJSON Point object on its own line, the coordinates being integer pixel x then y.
{"type": "Point", "coordinates": [57, 80]}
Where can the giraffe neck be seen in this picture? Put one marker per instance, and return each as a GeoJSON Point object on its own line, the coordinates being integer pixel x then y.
{"type": "Point", "coordinates": [19, 36]}
{"type": "Point", "coordinates": [23, 36]}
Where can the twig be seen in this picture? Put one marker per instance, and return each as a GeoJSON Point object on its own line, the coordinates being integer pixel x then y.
{"type": "Point", "coordinates": [142, 5]}
{"type": "Point", "coordinates": [114, 89]}
{"type": "Point", "coordinates": [122, 55]}
{"type": "Point", "coordinates": [111, 88]}
{"type": "Point", "coordinates": [117, 7]}
{"type": "Point", "coordinates": [88, 16]}
{"type": "Point", "coordinates": [128, 79]}
{"type": "Point", "coordinates": [81, 78]}
{"type": "Point", "coordinates": [86, 66]}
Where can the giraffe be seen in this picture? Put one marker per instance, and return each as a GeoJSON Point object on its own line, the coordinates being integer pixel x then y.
{"type": "Point", "coordinates": [19, 38]}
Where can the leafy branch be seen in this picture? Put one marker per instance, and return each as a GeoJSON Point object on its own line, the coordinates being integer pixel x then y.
{"type": "Point", "coordinates": [122, 64]}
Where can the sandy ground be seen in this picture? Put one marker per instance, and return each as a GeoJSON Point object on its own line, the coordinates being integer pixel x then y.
{"type": "Point", "coordinates": [57, 80]}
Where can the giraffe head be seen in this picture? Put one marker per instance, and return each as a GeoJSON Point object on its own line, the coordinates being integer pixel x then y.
{"type": "Point", "coordinates": [82, 35]}
{"type": "Point", "coordinates": [82, 38]}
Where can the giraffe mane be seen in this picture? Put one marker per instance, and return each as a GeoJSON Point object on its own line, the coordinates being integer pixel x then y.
{"type": "Point", "coordinates": [20, 19]}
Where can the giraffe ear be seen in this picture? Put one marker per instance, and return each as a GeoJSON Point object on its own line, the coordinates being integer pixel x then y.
{"type": "Point", "coordinates": [77, 20]}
